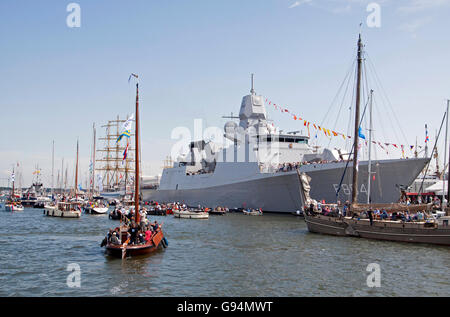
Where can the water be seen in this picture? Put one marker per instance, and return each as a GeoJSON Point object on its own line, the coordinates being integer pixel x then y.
{"type": "Point", "coordinates": [232, 255]}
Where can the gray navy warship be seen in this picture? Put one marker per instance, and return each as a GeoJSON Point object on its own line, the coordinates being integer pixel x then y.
{"type": "Point", "coordinates": [244, 171]}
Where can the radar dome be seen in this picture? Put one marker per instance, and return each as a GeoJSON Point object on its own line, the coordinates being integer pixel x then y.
{"type": "Point", "coordinates": [230, 126]}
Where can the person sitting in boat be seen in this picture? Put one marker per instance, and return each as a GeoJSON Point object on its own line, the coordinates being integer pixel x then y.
{"type": "Point", "coordinates": [396, 216]}
{"type": "Point", "coordinates": [384, 215]}
{"type": "Point", "coordinates": [403, 217]}
{"type": "Point", "coordinates": [140, 237]}
{"type": "Point", "coordinates": [420, 216]}
{"type": "Point", "coordinates": [407, 217]}
{"type": "Point", "coordinates": [114, 238]}
{"type": "Point", "coordinates": [377, 213]}
{"type": "Point", "coordinates": [117, 231]}
{"type": "Point", "coordinates": [109, 235]}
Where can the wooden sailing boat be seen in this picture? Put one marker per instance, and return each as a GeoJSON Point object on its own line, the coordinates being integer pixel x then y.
{"type": "Point", "coordinates": [421, 231]}
{"type": "Point", "coordinates": [67, 209]}
{"type": "Point", "coordinates": [125, 247]}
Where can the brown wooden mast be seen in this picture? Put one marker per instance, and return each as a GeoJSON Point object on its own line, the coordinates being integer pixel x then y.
{"type": "Point", "coordinates": [136, 153]}
{"type": "Point", "coordinates": [356, 135]}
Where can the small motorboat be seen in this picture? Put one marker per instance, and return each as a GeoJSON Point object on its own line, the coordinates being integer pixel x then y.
{"type": "Point", "coordinates": [190, 214]}
{"type": "Point", "coordinates": [116, 213]}
{"type": "Point", "coordinates": [154, 211]}
{"type": "Point", "coordinates": [220, 211]}
{"type": "Point", "coordinates": [99, 210]}
{"type": "Point", "coordinates": [96, 207]}
{"type": "Point", "coordinates": [13, 206]}
{"type": "Point", "coordinates": [298, 213]}
{"type": "Point", "coordinates": [253, 212]}
{"type": "Point", "coordinates": [64, 210]}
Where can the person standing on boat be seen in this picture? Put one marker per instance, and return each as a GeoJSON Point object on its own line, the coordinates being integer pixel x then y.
{"type": "Point", "coordinates": [370, 213]}
{"type": "Point", "coordinates": [143, 219]}
{"type": "Point", "coordinates": [133, 233]}
{"type": "Point", "coordinates": [155, 226]}
{"type": "Point", "coordinates": [311, 208]}
{"type": "Point", "coordinates": [148, 234]}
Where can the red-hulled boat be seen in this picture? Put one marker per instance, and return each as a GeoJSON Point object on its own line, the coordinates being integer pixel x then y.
{"type": "Point", "coordinates": [123, 249]}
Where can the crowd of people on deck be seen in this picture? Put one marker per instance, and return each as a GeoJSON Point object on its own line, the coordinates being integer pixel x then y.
{"type": "Point", "coordinates": [138, 233]}
{"type": "Point", "coordinates": [341, 210]}
{"type": "Point", "coordinates": [417, 200]}
{"type": "Point", "coordinates": [288, 167]}
{"type": "Point", "coordinates": [200, 172]}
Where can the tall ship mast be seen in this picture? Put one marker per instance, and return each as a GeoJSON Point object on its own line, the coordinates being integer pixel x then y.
{"type": "Point", "coordinates": [116, 172]}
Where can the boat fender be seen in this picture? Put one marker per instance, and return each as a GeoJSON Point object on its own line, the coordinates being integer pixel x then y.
{"type": "Point", "coordinates": [165, 243]}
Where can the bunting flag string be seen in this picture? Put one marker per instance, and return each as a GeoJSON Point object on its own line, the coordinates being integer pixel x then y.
{"type": "Point", "coordinates": [331, 133]}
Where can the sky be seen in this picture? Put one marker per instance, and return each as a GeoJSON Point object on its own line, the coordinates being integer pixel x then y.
{"type": "Point", "coordinates": [194, 59]}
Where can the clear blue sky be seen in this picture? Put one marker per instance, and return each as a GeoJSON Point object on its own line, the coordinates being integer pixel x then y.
{"type": "Point", "coordinates": [194, 58]}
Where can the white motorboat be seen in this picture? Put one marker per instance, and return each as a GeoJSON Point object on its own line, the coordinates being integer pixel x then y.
{"type": "Point", "coordinates": [96, 208]}
{"type": "Point", "coordinates": [63, 210]}
{"type": "Point", "coordinates": [13, 207]}
{"type": "Point", "coordinates": [99, 210]}
{"type": "Point", "coordinates": [187, 214]}
{"type": "Point", "coordinates": [253, 213]}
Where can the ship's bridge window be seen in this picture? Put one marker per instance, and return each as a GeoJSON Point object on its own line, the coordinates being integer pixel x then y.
{"type": "Point", "coordinates": [299, 140]}
{"type": "Point", "coordinates": [294, 140]}
{"type": "Point", "coordinates": [302, 141]}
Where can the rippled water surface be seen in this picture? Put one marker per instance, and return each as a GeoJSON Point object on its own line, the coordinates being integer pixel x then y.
{"type": "Point", "coordinates": [232, 255]}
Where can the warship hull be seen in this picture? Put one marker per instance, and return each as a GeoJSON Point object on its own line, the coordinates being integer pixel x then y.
{"type": "Point", "coordinates": [242, 185]}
